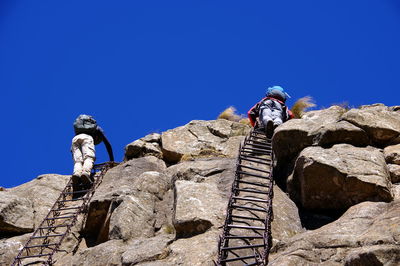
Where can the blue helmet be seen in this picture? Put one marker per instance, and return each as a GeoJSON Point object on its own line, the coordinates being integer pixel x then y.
{"type": "Point", "coordinates": [277, 92]}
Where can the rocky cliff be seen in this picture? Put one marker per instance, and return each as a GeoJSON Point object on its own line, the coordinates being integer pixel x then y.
{"type": "Point", "coordinates": [337, 203]}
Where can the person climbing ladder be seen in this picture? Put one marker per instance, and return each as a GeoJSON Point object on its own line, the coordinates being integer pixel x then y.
{"type": "Point", "coordinates": [87, 135]}
{"type": "Point", "coordinates": [271, 111]}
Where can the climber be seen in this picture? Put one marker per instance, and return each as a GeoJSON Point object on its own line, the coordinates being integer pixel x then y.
{"type": "Point", "coordinates": [271, 111]}
{"type": "Point", "coordinates": [87, 135]}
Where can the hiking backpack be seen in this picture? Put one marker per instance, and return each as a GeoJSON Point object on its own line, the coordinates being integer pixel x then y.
{"type": "Point", "coordinates": [85, 124]}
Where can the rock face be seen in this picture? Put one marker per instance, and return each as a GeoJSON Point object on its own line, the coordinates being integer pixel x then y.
{"type": "Point", "coordinates": [149, 145]}
{"type": "Point", "coordinates": [203, 138]}
{"type": "Point", "coordinates": [198, 206]}
{"type": "Point", "coordinates": [165, 204]}
{"type": "Point", "coordinates": [380, 122]}
{"type": "Point", "coordinates": [16, 215]}
{"type": "Point", "coordinates": [339, 177]}
{"type": "Point", "coordinates": [316, 128]}
{"type": "Point", "coordinates": [367, 234]}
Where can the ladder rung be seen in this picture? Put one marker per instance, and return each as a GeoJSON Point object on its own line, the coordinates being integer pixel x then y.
{"type": "Point", "coordinates": [66, 209]}
{"type": "Point", "coordinates": [256, 149]}
{"type": "Point", "coordinates": [83, 198]}
{"type": "Point", "coordinates": [247, 151]}
{"type": "Point", "coordinates": [57, 235]}
{"type": "Point", "coordinates": [262, 138]}
{"type": "Point", "coordinates": [243, 247]}
{"type": "Point", "coordinates": [251, 174]}
{"type": "Point", "coordinates": [260, 143]}
{"type": "Point", "coordinates": [250, 160]}
{"type": "Point", "coordinates": [247, 218]}
{"type": "Point", "coordinates": [256, 157]}
{"type": "Point", "coordinates": [244, 237]}
{"type": "Point", "coordinates": [238, 258]}
{"type": "Point", "coordinates": [254, 168]}
{"type": "Point", "coordinates": [252, 183]}
{"type": "Point", "coordinates": [251, 191]}
{"type": "Point", "coordinates": [39, 246]}
{"type": "Point", "coordinates": [250, 199]}
{"type": "Point", "coordinates": [76, 192]}
{"type": "Point", "coordinates": [34, 256]}
{"type": "Point", "coordinates": [61, 217]}
{"type": "Point", "coordinates": [246, 227]}
{"type": "Point", "coordinates": [51, 227]}
{"type": "Point", "coordinates": [249, 208]}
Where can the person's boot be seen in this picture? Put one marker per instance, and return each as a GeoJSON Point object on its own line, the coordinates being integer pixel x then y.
{"type": "Point", "coordinates": [87, 182]}
{"type": "Point", "coordinates": [269, 129]}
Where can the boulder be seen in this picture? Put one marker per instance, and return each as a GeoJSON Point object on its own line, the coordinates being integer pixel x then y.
{"type": "Point", "coordinates": [379, 121]}
{"type": "Point", "coordinates": [396, 191]}
{"type": "Point", "coordinates": [146, 146]}
{"type": "Point", "coordinates": [118, 180]}
{"type": "Point", "coordinates": [42, 192]}
{"type": "Point", "coordinates": [203, 139]}
{"type": "Point", "coordinates": [108, 253]}
{"type": "Point", "coordinates": [367, 232]}
{"type": "Point", "coordinates": [10, 247]}
{"type": "Point", "coordinates": [286, 222]}
{"type": "Point", "coordinates": [195, 251]}
{"type": "Point", "coordinates": [394, 170]}
{"type": "Point", "coordinates": [322, 127]}
{"type": "Point", "coordinates": [392, 154]}
{"type": "Point", "coordinates": [197, 207]}
{"type": "Point", "coordinates": [339, 177]}
{"type": "Point", "coordinates": [153, 182]}
{"type": "Point", "coordinates": [202, 170]}
{"type": "Point", "coordinates": [133, 218]}
{"type": "Point", "coordinates": [16, 215]}
{"type": "Point", "coordinates": [339, 132]}
{"type": "Point", "coordinates": [146, 249]}
{"type": "Point", "coordinates": [121, 200]}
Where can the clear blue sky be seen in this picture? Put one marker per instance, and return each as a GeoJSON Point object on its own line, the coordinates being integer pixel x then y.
{"type": "Point", "coordinates": [148, 66]}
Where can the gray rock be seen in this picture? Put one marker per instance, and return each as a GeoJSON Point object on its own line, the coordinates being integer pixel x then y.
{"type": "Point", "coordinates": [133, 218]}
{"type": "Point", "coordinates": [195, 251]}
{"type": "Point", "coordinates": [339, 177]}
{"type": "Point", "coordinates": [146, 146]}
{"type": "Point", "coordinates": [153, 182]}
{"type": "Point", "coordinates": [394, 170]}
{"type": "Point", "coordinates": [118, 180]}
{"type": "Point", "coordinates": [286, 222]}
{"type": "Point", "coordinates": [380, 122]}
{"type": "Point", "coordinates": [202, 170]}
{"type": "Point", "coordinates": [16, 215]}
{"type": "Point", "coordinates": [322, 127]}
{"type": "Point", "coordinates": [146, 249]}
{"type": "Point", "coordinates": [392, 154]}
{"type": "Point", "coordinates": [108, 253]}
{"type": "Point", "coordinates": [203, 139]}
{"type": "Point", "coordinates": [364, 229]}
{"type": "Point", "coordinates": [198, 206]}
{"type": "Point", "coordinates": [10, 247]}
{"type": "Point", "coordinates": [120, 200]}
{"type": "Point", "coordinates": [42, 192]}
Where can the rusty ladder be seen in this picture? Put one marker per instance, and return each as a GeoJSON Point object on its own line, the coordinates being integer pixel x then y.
{"type": "Point", "coordinates": [246, 237]}
{"type": "Point", "coordinates": [48, 236]}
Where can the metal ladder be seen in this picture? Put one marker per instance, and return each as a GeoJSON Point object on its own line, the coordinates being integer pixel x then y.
{"type": "Point", "coordinates": [48, 236]}
{"type": "Point", "coordinates": [246, 237]}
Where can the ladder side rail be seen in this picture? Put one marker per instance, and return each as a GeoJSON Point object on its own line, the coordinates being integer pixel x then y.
{"type": "Point", "coordinates": [84, 203]}
{"type": "Point", "coordinates": [66, 188]}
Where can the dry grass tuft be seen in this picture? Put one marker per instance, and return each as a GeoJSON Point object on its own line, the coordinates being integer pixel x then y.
{"type": "Point", "coordinates": [245, 121]}
{"type": "Point", "coordinates": [230, 114]}
{"type": "Point", "coordinates": [345, 105]}
{"type": "Point", "coordinates": [301, 105]}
